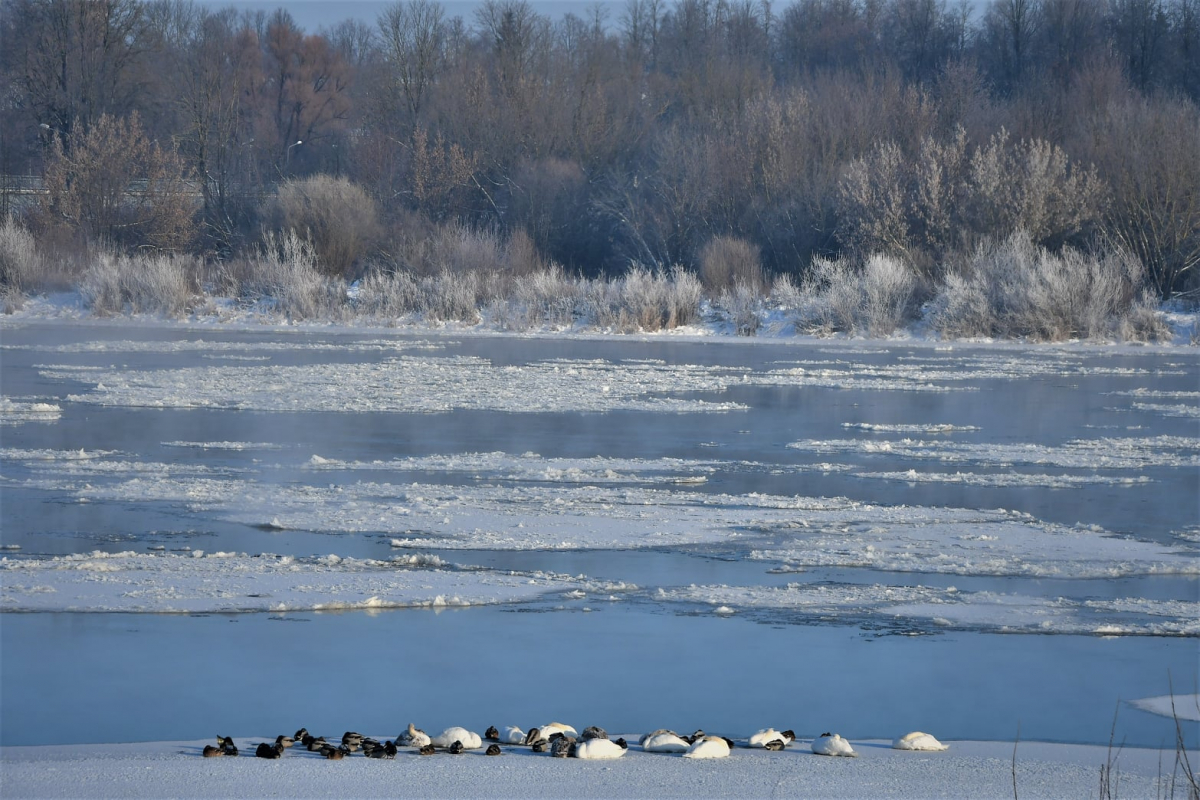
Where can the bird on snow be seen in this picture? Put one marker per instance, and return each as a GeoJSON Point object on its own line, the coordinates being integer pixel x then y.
{"type": "Point", "coordinates": [830, 744]}
{"type": "Point", "coordinates": [708, 747]}
{"type": "Point", "coordinates": [766, 735]}
{"type": "Point", "coordinates": [469, 740]}
{"type": "Point", "coordinates": [265, 750]}
{"type": "Point", "coordinates": [918, 741]}
{"type": "Point", "coordinates": [598, 748]}
{"type": "Point", "coordinates": [664, 742]}
{"type": "Point", "coordinates": [413, 737]}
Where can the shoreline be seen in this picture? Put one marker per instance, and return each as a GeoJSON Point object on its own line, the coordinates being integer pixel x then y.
{"type": "Point", "coordinates": [967, 769]}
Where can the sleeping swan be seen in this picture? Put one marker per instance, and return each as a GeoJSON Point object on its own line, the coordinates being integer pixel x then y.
{"type": "Point", "coordinates": [708, 747]}
{"type": "Point", "coordinates": [761, 738]}
{"type": "Point", "coordinates": [918, 741]}
{"type": "Point", "coordinates": [830, 744]}
{"type": "Point", "coordinates": [664, 742]}
{"type": "Point", "coordinates": [598, 748]}
{"type": "Point", "coordinates": [470, 741]}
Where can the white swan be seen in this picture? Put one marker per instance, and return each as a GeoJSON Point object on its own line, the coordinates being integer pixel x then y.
{"type": "Point", "coordinates": [761, 738]}
{"type": "Point", "coordinates": [513, 735]}
{"type": "Point", "coordinates": [918, 741]}
{"type": "Point", "coordinates": [470, 741]}
{"type": "Point", "coordinates": [599, 748]}
{"type": "Point", "coordinates": [413, 736]}
{"type": "Point", "coordinates": [666, 742]}
{"type": "Point", "coordinates": [708, 747]}
{"type": "Point", "coordinates": [830, 744]}
{"type": "Point", "coordinates": [557, 727]}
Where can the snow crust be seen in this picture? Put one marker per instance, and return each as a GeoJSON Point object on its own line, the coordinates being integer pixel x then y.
{"type": "Point", "coordinates": [969, 770]}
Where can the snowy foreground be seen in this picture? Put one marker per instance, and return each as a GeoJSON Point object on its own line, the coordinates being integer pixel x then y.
{"type": "Point", "coordinates": [968, 769]}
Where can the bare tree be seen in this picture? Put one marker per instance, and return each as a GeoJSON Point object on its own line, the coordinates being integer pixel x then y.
{"type": "Point", "coordinates": [78, 58]}
{"type": "Point", "coordinates": [115, 184]}
{"type": "Point", "coordinates": [413, 33]}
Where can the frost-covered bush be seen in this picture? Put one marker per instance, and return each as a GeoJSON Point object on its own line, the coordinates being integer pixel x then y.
{"type": "Point", "coordinates": [874, 299]}
{"type": "Point", "coordinates": [642, 300]}
{"type": "Point", "coordinates": [1015, 288]}
{"type": "Point", "coordinates": [727, 262]}
{"type": "Point", "coordinates": [21, 263]}
{"type": "Point", "coordinates": [744, 305]}
{"type": "Point", "coordinates": [547, 297]}
{"type": "Point", "coordinates": [452, 296]}
{"type": "Point", "coordinates": [336, 216]}
{"type": "Point", "coordinates": [160, 283]}
{"type": "Point", "coordinates": [388, 294]}
{"type": "Point", "coordinates": [285, 273]}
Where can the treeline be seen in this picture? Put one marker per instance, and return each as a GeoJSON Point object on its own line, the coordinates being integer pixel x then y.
{"type": "Point", "coordinates": [737, 139]}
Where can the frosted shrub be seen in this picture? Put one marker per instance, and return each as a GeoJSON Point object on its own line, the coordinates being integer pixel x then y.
{"type": "Point", "coordinates": [160, 283]}
{"type": "Point", "coordinates": [1144, 321]}
{"type": "Point", "coordinates": [1018, 289]}
{"type": "Point", "coordinates": [21, 263]}
{"type": "Point", "coordinates": [286, 272]}
{"type": "Point", "coordinates": [547, 297]}
{"type": "Point", "coordinates": [337, 217]}
{"type": "Point", "coordinates": [451, 296]}
{"type": "Point", "coordinates": [642, 300]}
{"type": "Point", "coordinates": [888, 290]}
{"type": "Point", "coordinates": [458, 248]}
{"type": "Point", "coordinates": [875, 299]}
{"type": "Point", "coordinates": [833, 297]}
{"type": "Point", "coordinates": [743, 304]}
{"type": "Point", "coordinates": [388, 295]}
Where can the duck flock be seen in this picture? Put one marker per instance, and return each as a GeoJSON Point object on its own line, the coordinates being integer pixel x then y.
{"type": "Point", "coordinates": [556, 739]}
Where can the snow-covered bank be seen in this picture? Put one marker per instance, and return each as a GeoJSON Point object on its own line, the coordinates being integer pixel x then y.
{"type": "Point", "coordinates": [967, 770]}
{"type": "Point", "coordinates": [774, 321]}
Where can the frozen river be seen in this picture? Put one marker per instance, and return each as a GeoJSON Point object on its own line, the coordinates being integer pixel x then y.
{"type": "Point", "coordinates": [261, 529]}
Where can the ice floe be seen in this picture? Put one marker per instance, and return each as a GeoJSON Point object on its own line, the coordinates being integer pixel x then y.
{"type": "Point", "coordinates": [1130, 453]}
{"type": "Point", "coordinates": [202, 582]}
{"type": "Point", "coordinates": [17, 412]}
{"type": "Point", "coordinates": [946, 607]}
{"type": "Point", "coordinates": [444, 383]}
{"type": "Point", "coordinates": [1180, 706]}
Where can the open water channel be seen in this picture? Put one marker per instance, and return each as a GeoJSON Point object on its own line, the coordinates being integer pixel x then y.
{"type": "Point", "coordinates": [1092, 445]}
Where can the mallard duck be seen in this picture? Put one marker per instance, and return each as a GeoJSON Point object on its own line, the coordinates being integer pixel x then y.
{"type": "Point", "coordinates": [265, 750]}
{"type": "Point", "coordinates": [493, 750]}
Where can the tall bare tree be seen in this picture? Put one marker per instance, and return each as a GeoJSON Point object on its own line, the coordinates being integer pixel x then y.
{"type": "Point", "coordinates": [413, 34]}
